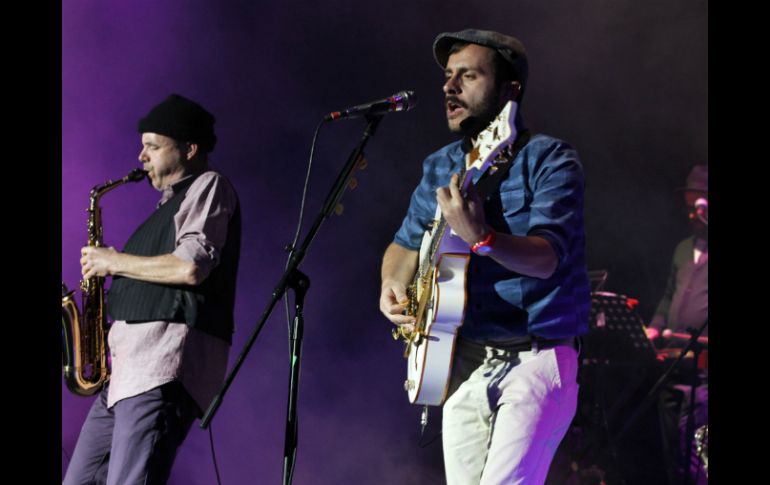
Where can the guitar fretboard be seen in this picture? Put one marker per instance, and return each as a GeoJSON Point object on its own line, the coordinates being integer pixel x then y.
{"type": "Point", "coordinates": [437, 235]}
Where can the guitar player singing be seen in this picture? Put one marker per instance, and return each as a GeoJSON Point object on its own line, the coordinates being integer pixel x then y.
{"type": "Point", "coordinates": [511, 388]}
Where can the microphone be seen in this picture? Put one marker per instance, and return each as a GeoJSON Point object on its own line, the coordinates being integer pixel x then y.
{"type": "Point", "coordinates": [401, 101]}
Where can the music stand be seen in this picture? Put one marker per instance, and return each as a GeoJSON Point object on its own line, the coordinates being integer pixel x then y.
{"type": "Point", "coordinates": [616, 333]}
{"type": "Point", "coordinates": [616, 342]}
{"type": "Point", "coordinates": [597, 278]}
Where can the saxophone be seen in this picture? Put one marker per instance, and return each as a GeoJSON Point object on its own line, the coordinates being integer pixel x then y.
{"type": "Point", "coordinates": [84, 343]}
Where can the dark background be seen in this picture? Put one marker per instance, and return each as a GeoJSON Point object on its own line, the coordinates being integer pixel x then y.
{"type": "Point", "coordinates": [625, 82]}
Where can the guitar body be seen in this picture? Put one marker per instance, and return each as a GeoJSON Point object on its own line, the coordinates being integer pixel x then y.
{"type": "Point", "coordinates": [430, 355]}
{"type": "Point", "coordinates": [438, 294]}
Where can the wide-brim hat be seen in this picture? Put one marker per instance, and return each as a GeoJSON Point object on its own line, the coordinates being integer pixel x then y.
{"type": "Point", "coordinates": [697, 180]}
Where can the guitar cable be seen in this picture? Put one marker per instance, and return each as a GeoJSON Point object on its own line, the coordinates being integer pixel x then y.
{"type": "Point", "coordinates": [213, 454]}
{"type": "Point", "coordinates": [423, 425]}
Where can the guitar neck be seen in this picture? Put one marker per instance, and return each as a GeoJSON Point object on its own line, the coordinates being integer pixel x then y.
{"type": "Point", "coordinates": [437, 235]}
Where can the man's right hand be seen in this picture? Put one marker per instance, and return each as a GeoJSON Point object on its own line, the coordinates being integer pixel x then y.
{"type": "Point", "coordinates": [393, 300]}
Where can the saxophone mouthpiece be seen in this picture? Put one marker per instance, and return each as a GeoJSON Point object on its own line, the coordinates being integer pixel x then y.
{"type": "Point", "coordinates": [136, 175]}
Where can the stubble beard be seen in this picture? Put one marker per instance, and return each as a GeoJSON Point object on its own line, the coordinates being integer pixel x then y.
{"type": "Point", "coordinates": [479, 117]}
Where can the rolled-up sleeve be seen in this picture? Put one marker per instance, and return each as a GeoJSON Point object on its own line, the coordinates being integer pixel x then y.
{"type": "Point", "coordinates": [202, 220]}
{"type": "Point", "coordinates": [557, 199]}
{"type": "Point", "coordinates": [419, 214]}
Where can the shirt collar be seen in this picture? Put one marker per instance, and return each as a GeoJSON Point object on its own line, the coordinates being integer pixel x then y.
{"type": "Point", "coordinates": [172, 189]}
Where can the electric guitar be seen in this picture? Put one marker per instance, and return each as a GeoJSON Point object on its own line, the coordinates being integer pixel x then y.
{"type": "Point", "coordinates": [437, 295]}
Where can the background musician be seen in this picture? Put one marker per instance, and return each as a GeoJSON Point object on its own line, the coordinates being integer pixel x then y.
{"type": "Point", "coordinates": [683, 307]}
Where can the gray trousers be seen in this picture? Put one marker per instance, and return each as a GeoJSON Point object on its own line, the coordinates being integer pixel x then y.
{"type": "Point", "coordinates": [136, 441]}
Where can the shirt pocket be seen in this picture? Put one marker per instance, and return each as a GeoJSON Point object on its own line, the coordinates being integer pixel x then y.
{"type": "Point", "coordinates": [514, 201]}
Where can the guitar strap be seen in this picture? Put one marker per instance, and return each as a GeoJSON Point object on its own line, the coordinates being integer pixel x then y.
{"type": "Point", "coordinates": [489, 182]}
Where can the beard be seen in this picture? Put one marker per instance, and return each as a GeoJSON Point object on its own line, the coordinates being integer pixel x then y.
{"type": "Point", "coordinates": [479, 116]}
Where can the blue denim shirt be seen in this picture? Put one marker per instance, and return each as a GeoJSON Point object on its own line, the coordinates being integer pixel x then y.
{"type": "Point", "coordinates": [542, 195]}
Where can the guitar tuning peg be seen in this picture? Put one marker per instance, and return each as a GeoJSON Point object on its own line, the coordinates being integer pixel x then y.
{"type": "Point", "coordinates": [362, 163]}
{"type": "Point", "coordinates": [339, 209]}
{"type": "Point", "coordinates": [352, 183]}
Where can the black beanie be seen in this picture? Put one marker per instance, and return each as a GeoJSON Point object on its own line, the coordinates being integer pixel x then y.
{"type": "Point", "coordinates": [183, 120]}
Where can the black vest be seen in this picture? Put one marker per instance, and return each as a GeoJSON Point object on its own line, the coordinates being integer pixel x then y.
{"type": "Point", "coordinates": [207, 307]}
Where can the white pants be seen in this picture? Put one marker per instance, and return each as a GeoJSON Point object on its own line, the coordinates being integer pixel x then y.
{"type": "Point", "coordinates": [508, 413]}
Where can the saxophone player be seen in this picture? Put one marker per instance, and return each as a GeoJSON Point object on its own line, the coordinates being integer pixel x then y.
{"type": "Point", "coordinates": [171, 300]}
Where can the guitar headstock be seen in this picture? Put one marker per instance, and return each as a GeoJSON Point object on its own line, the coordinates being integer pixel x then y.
{"type": "Point", "coordinates": [492, 143]}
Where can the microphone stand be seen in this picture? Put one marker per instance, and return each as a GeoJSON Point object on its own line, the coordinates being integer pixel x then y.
{"type": "Point", "coordinates": [299, 282]}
